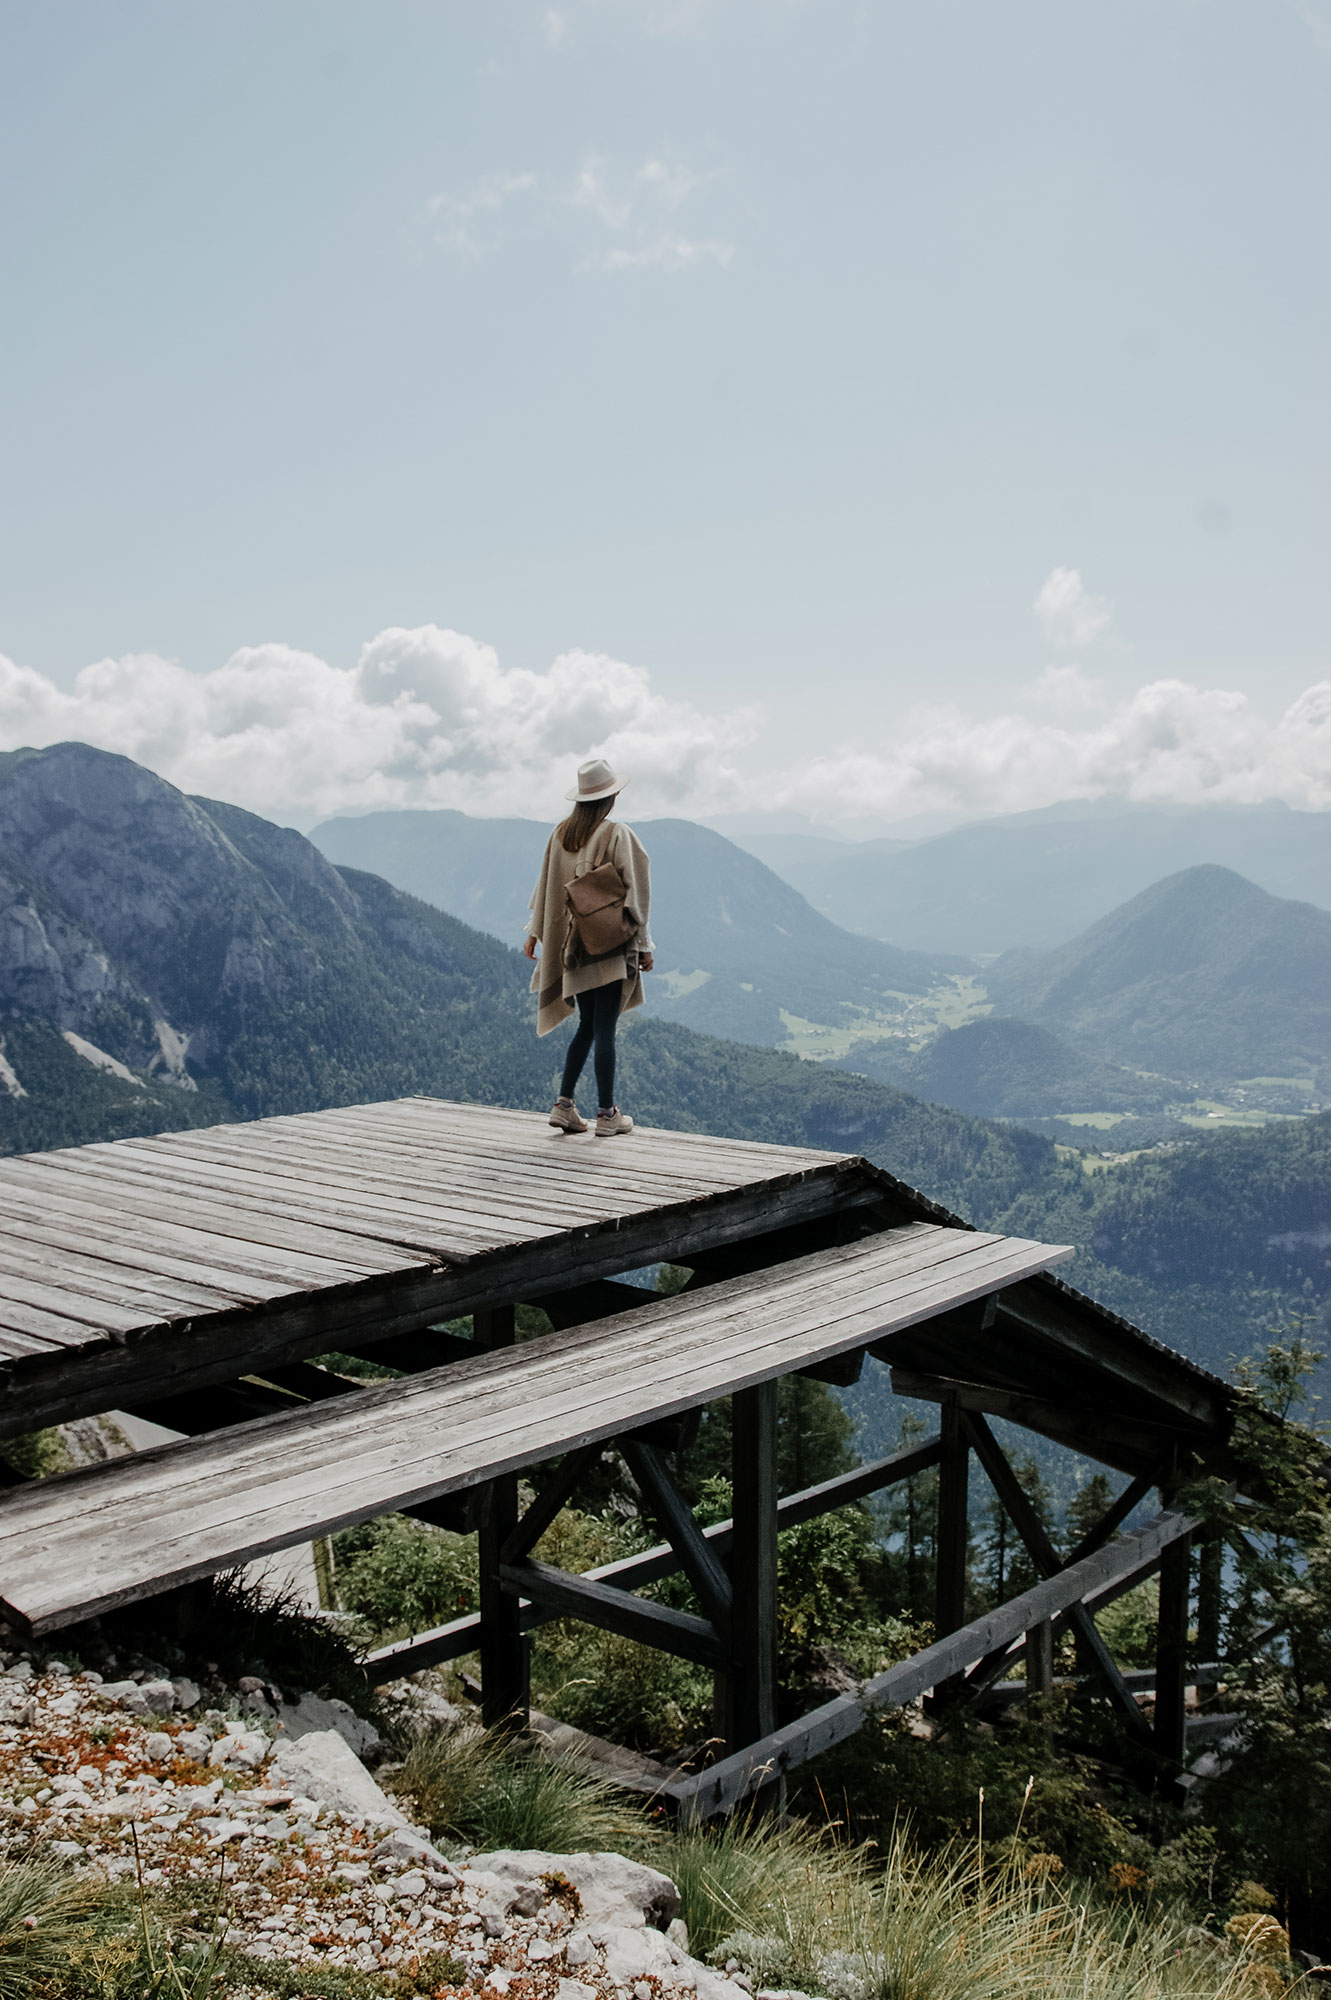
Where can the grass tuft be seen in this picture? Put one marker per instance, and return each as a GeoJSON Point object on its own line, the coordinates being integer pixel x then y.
{"type": "Point", "coordinates": [493, 1791]}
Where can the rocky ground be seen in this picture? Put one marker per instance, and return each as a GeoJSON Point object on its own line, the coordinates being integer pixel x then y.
{"type": "Point", "coordinates": [262, 1812]}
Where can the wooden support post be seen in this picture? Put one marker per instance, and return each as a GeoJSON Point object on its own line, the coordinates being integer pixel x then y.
{"type": "Point", "coordinates": [950, 1539]}
{"type": "Point", "coordinates": [749, 1707]}
{"type": "Point", "coordinates": [1171, 1651]}
{"type": "Point", "coordinates": [504, 1650]}
{"type": "Point", "coordinates": [1040, 1658]}
{"type": "Point", "coordinates": [1209, 1580]}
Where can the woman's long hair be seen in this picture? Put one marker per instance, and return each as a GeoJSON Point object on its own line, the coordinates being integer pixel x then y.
{"type": "Point", "coordinates": [575, 831]}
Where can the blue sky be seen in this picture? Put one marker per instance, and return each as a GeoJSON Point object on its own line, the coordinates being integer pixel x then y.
{"type": "Point", "coordinates": [780, 353]}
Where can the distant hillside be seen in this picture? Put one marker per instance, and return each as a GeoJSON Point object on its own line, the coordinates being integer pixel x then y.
{"type": "Point", "coordinates": [1039, 878]}
{"type": "Point", "coordinates": [234, 972]}
{"type": "Point", "coordinates": [1203, 976]}
{"type": "Point", "coordinates": [997, 1068]}
{"type": "Point", "coordinates": [735, 944]}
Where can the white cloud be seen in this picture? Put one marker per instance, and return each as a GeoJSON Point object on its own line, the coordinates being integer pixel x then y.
{"type": "Point", "coordinates": [1067, 612]}
{"type": "Point", "coordinates": [1067, 691]}
{"type": "Point", "coordinates": [425, 717]}
{"type": "Point", "coordinates": [454, 218]}
{"type": "Point", "coordinates": [430, 718]}
{"type": "Point", "coordinates": [1168, 742]}
{"type": "Point", "coordinates": [636, 209]}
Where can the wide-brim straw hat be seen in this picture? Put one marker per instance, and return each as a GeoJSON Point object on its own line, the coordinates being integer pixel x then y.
{"type": "Point", "coordinates": [596, 780]}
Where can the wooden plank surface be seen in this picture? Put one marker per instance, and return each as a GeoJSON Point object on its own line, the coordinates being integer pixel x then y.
{"type": "Point", "coordinates": [136, 1239]}
{"type": "Point", "coordinates": [84, 1542]}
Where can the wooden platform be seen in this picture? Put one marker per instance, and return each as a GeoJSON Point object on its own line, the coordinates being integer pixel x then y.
{"type": "Point", "coordinates": [76, 1545]}
{"type": "Point", "coordinates": [146, 1266]}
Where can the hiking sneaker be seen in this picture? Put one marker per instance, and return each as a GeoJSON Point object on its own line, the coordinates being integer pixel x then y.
{"type": "Point", "coordinates": [565, 1117]}
{"type": "Point", "coordinates": [610, 1123]}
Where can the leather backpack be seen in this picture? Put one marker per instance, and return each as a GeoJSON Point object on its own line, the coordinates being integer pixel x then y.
{"type": "Point", "coordinates": [596, 903]}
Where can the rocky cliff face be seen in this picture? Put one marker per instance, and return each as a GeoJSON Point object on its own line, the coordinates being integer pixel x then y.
{"type": "Point", "coordinates": [188, 940]}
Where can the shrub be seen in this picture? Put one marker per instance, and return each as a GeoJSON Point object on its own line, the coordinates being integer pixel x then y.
{"type": "Point", "coordinates": [402, 1576]}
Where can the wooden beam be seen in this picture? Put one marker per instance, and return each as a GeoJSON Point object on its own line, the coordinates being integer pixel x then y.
{"type": "Point", "coordinates": [697, 1557]}
{"type": "Point", "coordinates": [566, 1596]}
{"type": "Point", "coordinates": [1210, 1571]}
{"type": "Point", "coordinates": [1040, 1658]}
{"type": "Point", "coordinates": [735, 1778]}
{"type": "Point", "coordinates": [1125, 1443]}
{"type": "Point", "coordinates": [505, 1696]}
{"type": "Point", "coordinates": [1171, 1651]}
{"type": "Point", "coordinates": [551, 1500]}
{"type": "Point", "coordinates": [751, 1693]}
{"type": "Point", "coordinates": [459, 1636]}
{"type": "Point", "coordinates": [950, 1542]}
{"type": "Point", "coordinates": [1113, 1518]}
{"type": "Point", "coordinates": [1046, 1558]}
{"type": "Point", "coordinates": [1123, 1355]}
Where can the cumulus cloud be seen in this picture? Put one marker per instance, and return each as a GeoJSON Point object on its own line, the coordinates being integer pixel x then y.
{"type": "Point", "coordinates": [430, 717]}
{"type": "Point", "coordinates": [425, 717]}
{"type": "Point", "coordinates": [1169, 742]}
{"type": "Point", "coordinates": [1068, 614]}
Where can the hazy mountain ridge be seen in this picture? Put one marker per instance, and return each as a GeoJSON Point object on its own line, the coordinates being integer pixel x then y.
{"type": "Point", "coordinates": [1039, 878]}
{"type": "Point", "coordinates": [736, 946]}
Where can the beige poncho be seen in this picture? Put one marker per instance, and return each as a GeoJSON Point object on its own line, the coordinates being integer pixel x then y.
{"type": "Point", "coordinates": [561, 972]}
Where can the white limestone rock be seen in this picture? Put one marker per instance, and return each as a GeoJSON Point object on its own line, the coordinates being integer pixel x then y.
{"type": "Point", "coordinates": [611, 1889]}
{"type": "Point", "coordinates": [312, 1715]}
{"type": "Point", "coordinates": [239, 1750]}
{"type": "Point", "coordinates": [323, 1767]}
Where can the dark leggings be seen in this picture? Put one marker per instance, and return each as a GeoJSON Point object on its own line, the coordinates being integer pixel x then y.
{"type": "Point", "coordinates": [598, 1017]}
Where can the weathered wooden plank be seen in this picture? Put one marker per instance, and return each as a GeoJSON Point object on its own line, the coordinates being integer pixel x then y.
{"type": "Point", "coordinates": [269, 1244]}
{"type": "Point", "coordinates": [26, 1291]}
{"type": "Point", "coordinates": [88, 1277]}
{"type": "Point", "coordinates": [237, 1190]}
{"type": "Point", "coordinates": [406, 1442]}
{"type": "Point", "coordinates": [480, 1119]}
{"type": "Point", "coordinates": [349, 1190]}
{"type": "Point", "coordinates": [121, 1250]}
{"type": "Point", "coordinates": [431, 1158]}
{"type": "Point", "coordinates": [734, 1778]}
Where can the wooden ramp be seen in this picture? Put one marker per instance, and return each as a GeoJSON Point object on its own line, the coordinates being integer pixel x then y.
{"type": "Point", "coordinates": [77, 1545]}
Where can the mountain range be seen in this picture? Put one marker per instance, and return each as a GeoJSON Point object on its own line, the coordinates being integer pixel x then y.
{"type": "Point", "coordinates": [1203, 976]}
{"type": "Point", "coordinates": [1039, 878]}
{"type": "Point", "coordinates": [737, 947]}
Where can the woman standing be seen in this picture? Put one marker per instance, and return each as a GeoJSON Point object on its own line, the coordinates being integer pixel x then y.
{"type": "Point", "coordinates": [601, 988]}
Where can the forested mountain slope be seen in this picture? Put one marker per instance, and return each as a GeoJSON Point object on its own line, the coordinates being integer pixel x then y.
{"type": "Point", "coordinates": [997, 1068]}
{"type": "Point", "coordinates": [736, 945]}
{"type": "Point", "coordinates": [1203, 976]}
